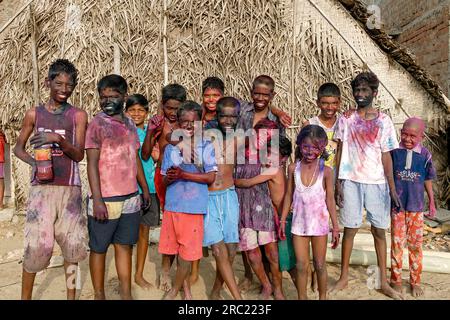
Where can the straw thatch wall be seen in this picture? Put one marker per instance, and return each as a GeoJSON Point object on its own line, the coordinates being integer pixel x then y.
{"type": "Point", "coordinates": [234, 39]}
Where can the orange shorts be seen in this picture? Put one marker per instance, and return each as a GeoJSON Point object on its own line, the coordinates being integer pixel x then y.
{"type": "Point", "coordinates": [160, 187]}
{"type": "Point", "coordinates": [182, 234]}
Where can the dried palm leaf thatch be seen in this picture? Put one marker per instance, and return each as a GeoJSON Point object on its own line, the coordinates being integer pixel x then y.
{"type": "Point", "coordinates": [233, 39]}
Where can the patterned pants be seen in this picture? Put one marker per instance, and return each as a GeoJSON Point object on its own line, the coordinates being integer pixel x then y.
{"type": "Point", "coordinates": [406, 228]}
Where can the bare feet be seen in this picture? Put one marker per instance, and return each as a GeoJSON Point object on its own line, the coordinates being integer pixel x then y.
{"type": "Point", "coordinates": [215, 295]}
{"type": "Point", "coordinates": [416, 291]}
{"type": "Point", "coordinates": [314, 284]}
{"type": "Point", "coordinates": [245, 284]}
{"type": "Point", "coordinates": [388, 291]}
{"type": "Point", "coordinates": [397, 287]}
{"type": "Point", "coordinates": [171, 295]}
{"type": "Point", "coordinates": [193, 278]}
{"type": "Point", "coordinates": [99, 296]}
{"type": "Point", "coordinates": [187, 292]}
{"type": "Point", "coordinates": [141, 282]}
{"type": "Point", "coordinates": [266, 293]}
{"type": "Point", "coordinates": [165, 283]}
{"type": "Point", "coordinates": [339, 285]}
{"type": "Point", "coordinates": [278, 294]}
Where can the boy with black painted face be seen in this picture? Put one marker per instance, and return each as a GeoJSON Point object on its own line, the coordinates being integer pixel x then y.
{"type": "Point", "coordinates": [54, 208]}
{"type": "Point", "coordinates": [114, 168]}
{"type": "Point", "coordinates": [365, 175]}
{"type": "Point", "coordinates": [222, 219]}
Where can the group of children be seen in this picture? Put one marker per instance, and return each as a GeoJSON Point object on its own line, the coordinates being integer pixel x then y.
{"type": "Point", "coordinates": [186, 162]}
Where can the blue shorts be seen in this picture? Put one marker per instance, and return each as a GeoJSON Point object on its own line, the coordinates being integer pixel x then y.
{"type": "Point", "coordinates": [222, 219]}
{"type": "Point", "coordinates": [375, 198]}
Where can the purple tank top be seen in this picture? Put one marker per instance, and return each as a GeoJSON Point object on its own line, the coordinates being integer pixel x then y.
{"type": "Point", "coordinates": [65, 170]}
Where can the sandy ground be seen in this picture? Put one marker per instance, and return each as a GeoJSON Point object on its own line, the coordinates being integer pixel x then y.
{"type": "Point", "coordinates": [50, 283]}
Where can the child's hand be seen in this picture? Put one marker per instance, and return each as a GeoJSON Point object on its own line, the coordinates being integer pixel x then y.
{"type": "Point", "coordinates": [99, 210]}
{"type": "Point", "coordinates": [174, 174]}
{"type": "Point", "coordinates": [338, 194]}
{"type": "Point", "coordinates": [156, 123]}
{"type": "Point", "coordinates": [146, 200]}
{"type": "Point", "coordinates": [335, 238]}
{"type": "Point", "coordinates": [285, 119]}
{"type": "Point", "coordinates": [349, 112]}
{"type": "Point", "coordinates": [282, 230]}
{"type": "Point", "coordinates": [432, 213]}
{"type": "Point", "coordinates": [42, 138]}
{"type": "Point", "coordinates": [241, 183]}
{"type": "Point", "coordinates": [396, 201]}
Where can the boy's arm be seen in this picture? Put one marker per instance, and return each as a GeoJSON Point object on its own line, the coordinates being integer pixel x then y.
{"type": "Point", "coordinates": [386, 159]}
{"type": "Point", "coordinates": [25, 132]}
{"type": "Point", "coordinates": [305, 123]}
{"type": "Point", "coordinates": [285, 119]}
{"type": "Point", "coordinates": [248, 183]}
{"type": "Point", "coordinates": [142, 181]}
{"type": "Point", "coordinates": [174, 174]}
{"type": "Point", "coordinates": [331, 205]}
{"type": "Point", "coordinates": [155, 126]}
{"type": "Point", "coordinates": [99, 209]}
{"type": "Point", "coordinates": [429, 190]}
{"type": "Point", "coordinates": [287, 200]}
{"type": "Point", "coordinates": [338, 186]}
{"type": "Point", "coordinates": [74, 152]}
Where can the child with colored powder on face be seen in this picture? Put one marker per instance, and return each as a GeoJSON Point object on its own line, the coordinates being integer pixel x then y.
{"type": "Point", "coordinates": [222, 219]}
{"type": "Point", "coordinates": [257, 227]}
{"type": "Point", "coordinates": [136, 108]}
{"type": "Point", "coordinates": [274, 174]}
{"type": "Point", "coordinates": [54, 207]}
{"type": "Point", "coordinates": [188, 168]}
{"type": "Point", "coordinates": [413, 172]}
{"type": "Point", "coordinates": [329, 102]}
{"type": "Point", "coordinates": [364, 175]}
{"type": "Point", "coordinates": [114, 171]}
{"type": "Point", "coordinates": [159, 128]}
{"type": "Point", "coordinates": [310, 193]}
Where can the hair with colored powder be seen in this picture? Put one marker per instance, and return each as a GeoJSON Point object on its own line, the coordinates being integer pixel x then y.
{"type": "Point", "coordinates": [366, 77]}
{"type": "Point", "coordinates": [318, 137]}
{"type": "Point", "coordinates": [227, 102]}
{"type": "Point", "coordinates": [173, 91]}
{"type": "Point", "coordinates": [415, 122]}
{"type": "Point", "coordinates": [264, 80]}
{"type": "Point", "coordinates": [137, 99]}
{"type": "Point", "coordinates": [328, 90]}
{"type": "Point", "coordinates": [189, 105]}
{"type": "Point", "coordinates": [285, 147]}
{"type": "Point", "coordinates": [114, 82]}
{"type": "Point", "coordinates": [213, 83]}
{"type": "Point", "coordinates": [63, 66]}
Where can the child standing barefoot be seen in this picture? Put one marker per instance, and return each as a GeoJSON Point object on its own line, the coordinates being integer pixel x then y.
{"type": "Point", "coordinates": [310, 189]}
{"type": "Point", "coordinates": [413, 172]}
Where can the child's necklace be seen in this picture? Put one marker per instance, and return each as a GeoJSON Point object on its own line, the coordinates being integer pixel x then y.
{"type": "Point", "coordinates": [312, 178]}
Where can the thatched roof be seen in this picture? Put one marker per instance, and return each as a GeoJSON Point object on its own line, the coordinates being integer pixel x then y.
{"type": "Point", "coordinates": [233, 39]}
{"type": "Point", "coordinates": [397, 52]}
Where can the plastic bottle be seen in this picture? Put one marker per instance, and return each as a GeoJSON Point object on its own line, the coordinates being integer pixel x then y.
{"type": "Point", "coordinates": [44, 164]}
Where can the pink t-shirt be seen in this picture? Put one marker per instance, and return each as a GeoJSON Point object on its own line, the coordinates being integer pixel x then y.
{"type": "Point", "coordinates": [363, 141]}
{"type": "Point", "coordinates": [118, 143]}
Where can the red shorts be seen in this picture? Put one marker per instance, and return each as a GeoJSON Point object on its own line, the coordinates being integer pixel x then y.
{"type": "Point", "coordinates": [182, 234]}
{"type": "Point", "coordinates": [160, 187]}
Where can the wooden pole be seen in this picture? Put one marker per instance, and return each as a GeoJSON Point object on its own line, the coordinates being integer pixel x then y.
{"type": "Point", "coordinates": [116, 59]}
{"type": "Point", "coordinates": [166, 63]}
{"type": "Point", "coordinates": [34, 56]}
{"type": "Point", "coordinates": [294, 46]}
{"type": "Point", "coordinates": [15, 16]}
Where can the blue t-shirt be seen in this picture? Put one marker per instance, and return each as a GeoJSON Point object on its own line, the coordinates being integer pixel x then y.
{"type": "Point", "coordinates": [409, 179]}
{"type": "Point", "coordinates": [148, 166]}
{"type": "Point", "coordinates": [188, 196]}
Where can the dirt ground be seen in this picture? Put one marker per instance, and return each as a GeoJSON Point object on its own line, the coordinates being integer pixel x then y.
{"type": "Point", "coordinates": [50, 284]}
